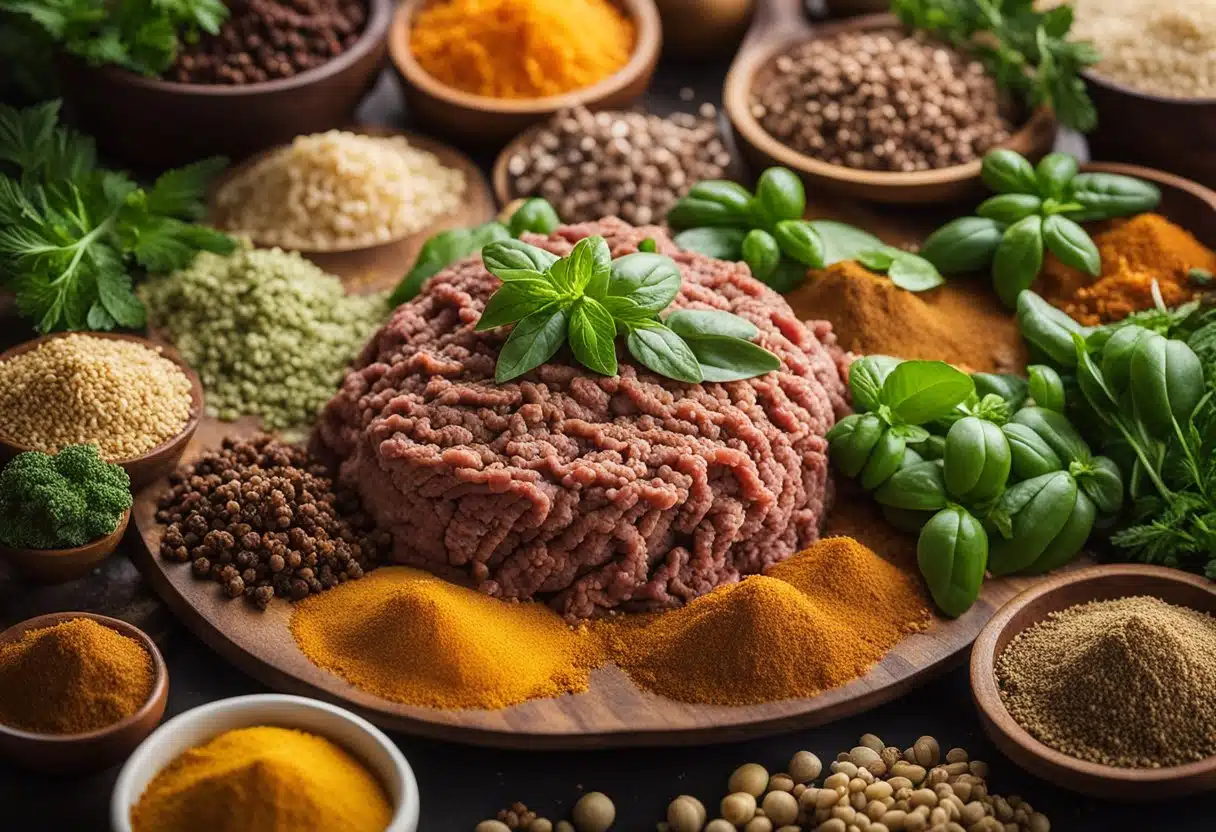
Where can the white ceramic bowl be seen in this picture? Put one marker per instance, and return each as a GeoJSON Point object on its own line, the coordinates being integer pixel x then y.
{"type": "Point", "coordinates": [195, 727]}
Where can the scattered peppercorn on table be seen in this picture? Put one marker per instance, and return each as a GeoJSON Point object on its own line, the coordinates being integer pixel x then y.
{"type": "Point", "coordinates": [275, 530]}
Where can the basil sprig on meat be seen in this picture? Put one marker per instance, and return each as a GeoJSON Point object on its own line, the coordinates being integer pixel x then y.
{"type": "Point", "coordinates": [587, 299]}
{"type": "Point", "coordinates": [1036, 209]}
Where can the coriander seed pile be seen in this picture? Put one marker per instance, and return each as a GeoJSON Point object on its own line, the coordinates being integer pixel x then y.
{"type": "Point", "coordinates": [338, 190]}
{"type": "Point", "coordinates": [623, 164]}
{"type": "Point", "coordinates": [77, 389]}
{"type": "Point", "coordinates": [1145, 667]}
{"type": "Point", "coordinates": [880, 100]}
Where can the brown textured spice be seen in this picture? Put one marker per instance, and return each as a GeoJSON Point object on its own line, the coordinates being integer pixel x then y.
{"type": "Point", "coordinates": [73, 677]}
{"type": "Point", "coordinates": [1124, 683]}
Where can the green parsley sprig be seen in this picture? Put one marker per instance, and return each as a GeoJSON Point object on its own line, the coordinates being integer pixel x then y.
{"type": "Point", "coordinates": [71, 232]}
{"type": "Point", "coordinates": [587, 299]}
{"type": "Point", "coordinates": [1025, 50]}
{"type": "Point", "coordinates": [139, 35]}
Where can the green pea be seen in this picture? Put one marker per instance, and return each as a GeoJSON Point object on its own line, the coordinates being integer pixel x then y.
{"type": "Point", "coordinates": [952, 553]}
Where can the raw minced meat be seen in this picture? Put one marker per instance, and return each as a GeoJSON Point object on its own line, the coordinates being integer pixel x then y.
{"type": "Point", "coordinates": [591, 493]}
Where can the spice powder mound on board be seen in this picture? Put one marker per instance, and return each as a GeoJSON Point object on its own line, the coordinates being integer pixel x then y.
{"type": "Point", "coordinates": [1124, 683]}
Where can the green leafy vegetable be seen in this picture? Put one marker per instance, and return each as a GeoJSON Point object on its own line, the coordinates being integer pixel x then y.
{"type": "Point", "coordinates": [719, 243]}
{"type": "Point", "coordinates": [71, 232]}
{"type": "Point", "coordinates": [906, 270]}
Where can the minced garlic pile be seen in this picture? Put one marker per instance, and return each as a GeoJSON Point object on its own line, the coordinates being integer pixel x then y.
{"type": "Point", "coordinates": [339, 190]}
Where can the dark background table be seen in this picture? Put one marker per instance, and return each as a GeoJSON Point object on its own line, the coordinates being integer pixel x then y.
{"type": "Point", "coordinates": [462, 785]}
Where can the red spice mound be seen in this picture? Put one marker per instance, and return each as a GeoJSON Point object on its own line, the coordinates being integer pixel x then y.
{"type": "Point", "coordinates": [585, 491]}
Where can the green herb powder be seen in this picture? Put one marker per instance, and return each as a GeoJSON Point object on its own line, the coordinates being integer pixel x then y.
{"type": "Point", "coordinates": [269, 333]}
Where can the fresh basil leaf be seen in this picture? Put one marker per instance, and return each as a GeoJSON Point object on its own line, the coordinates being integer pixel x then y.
{"type": "Point", "coordinates": [1018, 259]}
{"type": "Point", "coordinates": [866, 377]}
{"type": "Point", "coordinates": [442, 250]}
{"type": "Point", "coordinates": [593, 336]}
{"type": "Point", "coordinates": [1009, 208]}
{"type": "Point", "coordinates": [1107, 195]}
{"type": "Point", "coordinates": [515, 255]}
{"type": "Point", "coordinates": [698, 323]}
{"type": "Point", "coordinates": [913, 273]}
{"type": "Point", "coordinates": [761, 253]}
{"type": "Point", "coordinates": [719, 243]}
{"type": "Point", "coordinates": [662, 351]}
{"type": "Point", "coordinates": [1071, 244]}
{"type": "Point", "coordinates": [1008, 172]}
{"type": "Point", "coordinates": [800, 241]}
{"type": "Point", "coordinates": [843, 242]}
{"type": "Point", "coordinates": [966, 244]}
{"type": "Point", "coordinates": [878, 260]}
{"type": "Point", "coordinates": [723, 358]}
{"type": "Point", "coordinates": [625, 310]}
{"type": "Point", "coordinates": [651, 281]}
{"type": "Point", "coordinates": [788, 276]}
{"type": "Point", "coordinates": [922, 391]}
{"type": "Point", "coordinates": [1054, 173]}
{"type": "Point", "coordinates": [587, 267]}
{"type": "Point", "coordinates": [911, 434]}
{"type": "Point", "coordinates": [514, 301]}
{"type": "Point", "coordinates": [535, 340]}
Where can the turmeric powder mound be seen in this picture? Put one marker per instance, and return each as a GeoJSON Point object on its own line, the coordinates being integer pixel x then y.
{"type": "Point", "coordinates": [961, 322]}
{"type": "Point", "coordinates": [814, 622]}
{"type": "Point", "coordinates": [263, 779]}
{"type": "Point", "coordinates": [521, 48]}
{"type": "Point", "coordinates": [71, 678]}
{"type": "Point", "coordinates": [407, 636]}
{"type": "Point", "coordinates": [1134, 252]}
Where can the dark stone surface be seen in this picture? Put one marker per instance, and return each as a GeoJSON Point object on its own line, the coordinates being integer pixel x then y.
{"type": "Point", "coordinates": [461, 785]}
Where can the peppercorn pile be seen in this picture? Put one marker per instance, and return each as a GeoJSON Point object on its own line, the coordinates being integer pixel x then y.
{"type": "Point", "coordinates": [623, 164]}
{"type": "Point", "coordinates": [1146, 666]}
{"type": "Point", "coordinates": [264, 40]}
{"type": "Point", "coordinates": [880, 100]}
{"type": "Point", "coordinates": [77, 389]}
{"type": "Point", "coordinates": [263, 519]}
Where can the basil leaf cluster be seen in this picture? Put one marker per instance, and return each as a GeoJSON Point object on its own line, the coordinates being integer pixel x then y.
{"type": "Point", "coordinates": [1036, 209]}
{"type": "Point", "coordinates": [766, 230]}
{"type": "Point", "coordinates": [446, 247]}
{"type": "Point", "coordinates": [587, 299]}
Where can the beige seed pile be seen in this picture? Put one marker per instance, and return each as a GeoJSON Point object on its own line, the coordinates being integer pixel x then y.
{"type": "Point", "coordinates": [339, 190]}
{"type": "Point", "coordinates": [79, 389]}
{"type": "Point", "coordinates": [1167, 47]}
{"type": "Point", "coordinates": [1125, 683]}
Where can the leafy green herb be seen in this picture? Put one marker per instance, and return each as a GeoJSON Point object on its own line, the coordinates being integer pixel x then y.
{"type": "Point", "coordinates": [906, 270]}
{"type": "Point", "coordinates": [1024, 49]}
{"type": "Point", "coordinates": [71, 232]}
{"type": "Point", "coordinates": [719, 243]}
{"type": "Point", "coordinates": [587, 299]}
{"type": "Point", "coordinates": [140, 35]}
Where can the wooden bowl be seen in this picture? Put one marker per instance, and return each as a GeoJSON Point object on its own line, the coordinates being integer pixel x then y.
{"type": "Point", "coordinates": [150, 124]}
{"type": "Point", "coordinates": [1174, 134]}
{"type": "Point", "coordinates": [151, 465]}
{"type": "Point", "coordinates": [1183, 202]}
{"type": "Point", "coordinates": [57, 566]}
{"type": "Point", "coordinates": [482, 120]}
{"type": "Point", "coordinates": [1099, 583]}
{"type": "Point", "coordinates": [94, 750]}
{"type": "Point", "coordinates": [381, 266]}
{"type": "Point", "coordinates": [779, 25]}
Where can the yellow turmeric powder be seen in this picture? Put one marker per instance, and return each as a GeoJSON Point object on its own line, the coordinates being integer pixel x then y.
{"type": "Point", "coordinates": [1135, 252]}
{"type": "Point", "coordinates": [816, 621]}
{"type": "Point", "coordinates": [521, 48]}
{"type": "Point", "coordinates": [263, 779]}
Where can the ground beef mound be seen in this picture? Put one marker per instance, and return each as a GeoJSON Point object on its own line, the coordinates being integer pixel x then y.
{"type": "Point", "coordinates": [591, 493]}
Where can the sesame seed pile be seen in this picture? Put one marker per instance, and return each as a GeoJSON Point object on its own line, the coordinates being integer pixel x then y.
{"type": "Point", "coordinates": [1124, 683]}
{"type": "Point", "coordinates": [121, 396]}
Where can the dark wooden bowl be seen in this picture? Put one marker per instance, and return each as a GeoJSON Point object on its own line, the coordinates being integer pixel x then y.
{"type": "Point", "coordinates": [159, 461]}
{"type": "Point", "coordinates": [95, 750]}
{"type": "Point", "coordinates": [57, 566]}
{"type": "Point", "coordinates": [779, 25]}
{"type": "Point", "coordinates": [149, 124]}
{"type": "Point", "coordinates": [482, 120]}
{"type": "Point", "coordinates": [1099, 583]}
{"type": "Point", "coordinates": [1174, 134]}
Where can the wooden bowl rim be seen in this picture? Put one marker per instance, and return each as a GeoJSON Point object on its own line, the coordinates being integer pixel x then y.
{"type": "Point", "coordinates": [100, 547]}
{"type": "Point", "coordinates": [644, 13]}
{"type": "Point", "coordinates": [165, 350]}
{"type": "Point", "coordinates": [418, 140]}
{"type": "Point", "coordinates": [1093, 77]}
{"type": "Point", "coordinates": [160, 676]}
{"type": "Point", "coordinates": [986, 694]}
{"type": "Point", "coordinates": [378, 20]}
{"type": "Point", "coordinates": [735, 103]}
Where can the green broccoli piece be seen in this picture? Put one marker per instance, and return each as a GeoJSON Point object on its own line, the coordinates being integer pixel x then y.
{"type": "Point", "coordinates": [62, 500]}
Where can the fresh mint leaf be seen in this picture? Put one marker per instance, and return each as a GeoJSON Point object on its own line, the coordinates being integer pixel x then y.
{"type": "Point", "coordinates": [535, 340]}
{"type": "Point", "coordinates": [723, 358]}
{"type": "Point", "coordinates": [651, 281]}
{"type": "Point", "coordinates": [593, 336]}
{"type": "Point", "coordinates": [659, 349]}
{"type": "Point", "coordinates": [514, 301]}
{"type": "Point", "coordinates": [918, 392]}
{"type": "Point", "coordinates": [697, 323]}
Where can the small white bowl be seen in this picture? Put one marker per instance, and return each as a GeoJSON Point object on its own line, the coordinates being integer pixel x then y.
{"type": "Point", "coordinates": [195, 727]}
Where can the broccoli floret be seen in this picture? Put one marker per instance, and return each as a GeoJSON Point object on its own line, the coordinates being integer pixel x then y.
{"type": "Point", "coordinates": [62, 500]}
